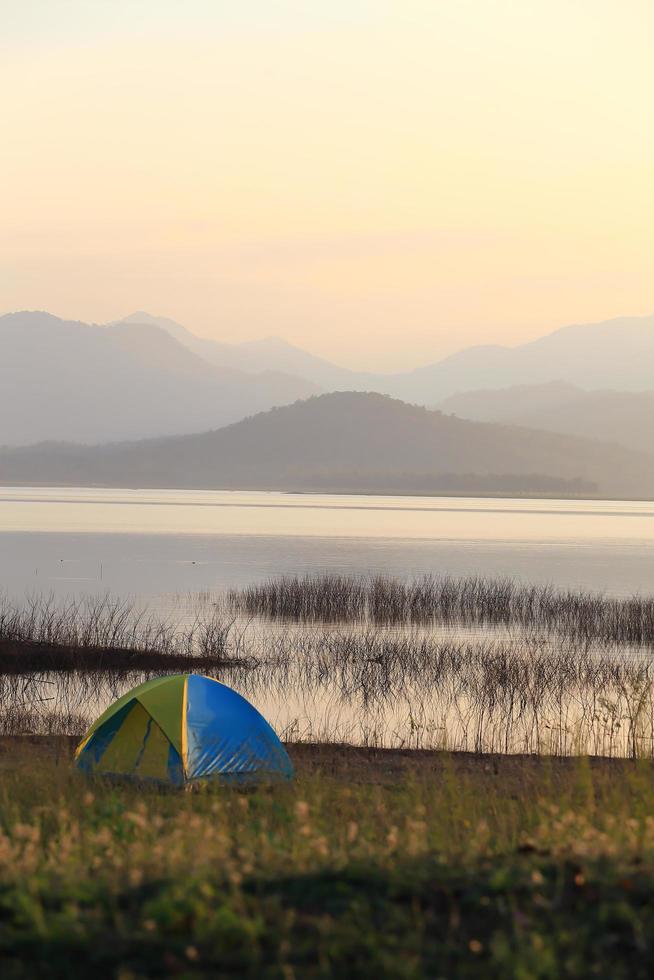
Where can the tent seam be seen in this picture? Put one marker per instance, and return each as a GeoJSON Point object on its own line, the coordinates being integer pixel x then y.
{"type": "Point", "coordinates": [184, 727]}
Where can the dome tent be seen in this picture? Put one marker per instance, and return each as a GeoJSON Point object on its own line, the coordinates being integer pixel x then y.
{"type": "Point", "coordinates": [182, 728]}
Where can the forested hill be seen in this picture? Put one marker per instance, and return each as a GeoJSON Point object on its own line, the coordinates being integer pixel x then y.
{"type": "Point", "coordinates": [347, 441]}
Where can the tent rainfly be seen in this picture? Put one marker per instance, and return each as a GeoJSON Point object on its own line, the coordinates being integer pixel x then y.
{"type": "Point", "coordinates": [183, 728]}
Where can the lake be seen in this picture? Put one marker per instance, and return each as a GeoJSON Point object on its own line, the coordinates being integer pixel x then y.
{"type": "Point", "coordinates": [151, 544]}
{"type": "Point", "coordinates": [465, 683]}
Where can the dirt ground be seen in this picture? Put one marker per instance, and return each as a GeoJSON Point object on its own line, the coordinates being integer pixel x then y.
{"type": "Point", "coordinates": [356, 764]}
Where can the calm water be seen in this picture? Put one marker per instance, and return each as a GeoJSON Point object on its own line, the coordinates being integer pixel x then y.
{"type": "Point", "coordinates": [149, 543]}
{"type": "Point", "coordinates": [177, 551]}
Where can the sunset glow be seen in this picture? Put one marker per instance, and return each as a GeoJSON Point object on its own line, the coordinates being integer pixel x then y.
{"type": "Point", "coordinates": [380, 182]}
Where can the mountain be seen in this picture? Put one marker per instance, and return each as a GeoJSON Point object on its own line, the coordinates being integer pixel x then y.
{"type": "Point", "coordinates": [268, 354]}
{"type": "Point", "coordinates": [509, 404]}
{"type": "Point", "coordinates": [66, 380]}
{"type": "Point", "coordinates": [348, 441]}
{"type": "Point", "coordinates": [614, 354]}
{"type": "Point", "coordinates": [625, 417]}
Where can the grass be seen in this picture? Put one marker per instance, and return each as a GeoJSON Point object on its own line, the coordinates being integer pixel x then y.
{"type": "Point", "coordinates": [369, 864]}
{"type": "Point", "coordinates": [409, 687]}
{"type": "Point", "coordinates": [580, 616]}
{"type": "Point", "coordinates": [103, 634]}
{"type": "Point", "coordinates": [372, 863]}
{"type": "Point", "coordinates": [404, 691]}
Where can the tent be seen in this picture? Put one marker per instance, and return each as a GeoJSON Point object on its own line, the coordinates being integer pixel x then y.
{"type": "Point", "coordinates": [182, 728]}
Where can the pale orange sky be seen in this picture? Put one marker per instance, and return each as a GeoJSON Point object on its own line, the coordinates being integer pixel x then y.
{"type": "Point", "coordinates": [380, 182]}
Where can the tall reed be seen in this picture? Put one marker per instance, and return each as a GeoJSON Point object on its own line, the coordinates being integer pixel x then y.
{"type": "Point", "coordinates": [445, 600]}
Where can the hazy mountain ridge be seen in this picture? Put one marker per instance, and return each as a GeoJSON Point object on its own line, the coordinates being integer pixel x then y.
{"type": "Point", "coordinates": [610, 416]}
{"type": "Point", "coordinates": [149, 376]}
{"type": "Point", "coordinates": [348, 442]}
{"type": "Point", "coordinates": [253, 356]}
{"type": "Point", "coordinates": [615, 354]}
{"type": "Point", "coordinates": [504, 404]}
{"type": "Point", "coordinates": [66, 380]}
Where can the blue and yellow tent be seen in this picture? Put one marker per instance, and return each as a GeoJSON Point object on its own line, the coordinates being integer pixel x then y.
{"type": "Point", "coordinates": [183, 728]}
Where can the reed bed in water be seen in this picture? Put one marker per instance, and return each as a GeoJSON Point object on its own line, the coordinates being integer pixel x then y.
{"type": "Point", "coordinates": [98, 633]}
{"type": "Point", "coordinates": [444, 600]}
{"type": "Point", "coordinates": [404, 690]}
{"type": "Point", "coordinates": [414, 691]}
{"type": "Point", "coordinates": [558, 676]}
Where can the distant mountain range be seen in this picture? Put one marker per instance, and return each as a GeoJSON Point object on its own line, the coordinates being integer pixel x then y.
{"type": "Point", "coordinates": [616, 354]}
{"type": "Point", "coordinates": [348, 442]}
{"type": "Point", "coordinates": [149, 376]}
{"type": "Point", "coordinates": [72, 381]}
{"type": "Point", "coordinates": [268, 354]}
{"type": "Point", "coordinates": [624, 417]}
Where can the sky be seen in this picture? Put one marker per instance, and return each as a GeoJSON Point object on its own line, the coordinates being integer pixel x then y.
{"type": "Point", "coordinates": [380, 182]}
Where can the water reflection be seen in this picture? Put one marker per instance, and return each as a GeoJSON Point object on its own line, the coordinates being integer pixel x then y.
{"type": "Point", "coordinates": [497, 688]}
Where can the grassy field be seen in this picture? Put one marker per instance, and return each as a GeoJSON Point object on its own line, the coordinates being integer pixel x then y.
{"type": "Point", "coordinates": [370, 864]}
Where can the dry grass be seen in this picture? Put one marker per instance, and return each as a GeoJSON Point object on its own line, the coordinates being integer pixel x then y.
{"type": "Point", "coordinates": [469, 666]}
{"type": "Point", "coordinates": [371, 863]}
{"type": "Point", "coordinates": [102, 633]}
{"type": "Point", "coordinates": [579, 616]}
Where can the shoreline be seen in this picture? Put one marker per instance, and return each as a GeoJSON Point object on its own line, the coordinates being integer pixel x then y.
{"type": "Point", "coordinates": [36, 657]}
{"type": "Point", "coordinates": [330, 492]}
{"type": "Point", "coordinates": [358, 763]}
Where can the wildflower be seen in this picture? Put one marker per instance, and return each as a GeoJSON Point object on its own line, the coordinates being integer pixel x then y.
{"type": "Point", "coordinates": [475, 946]}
